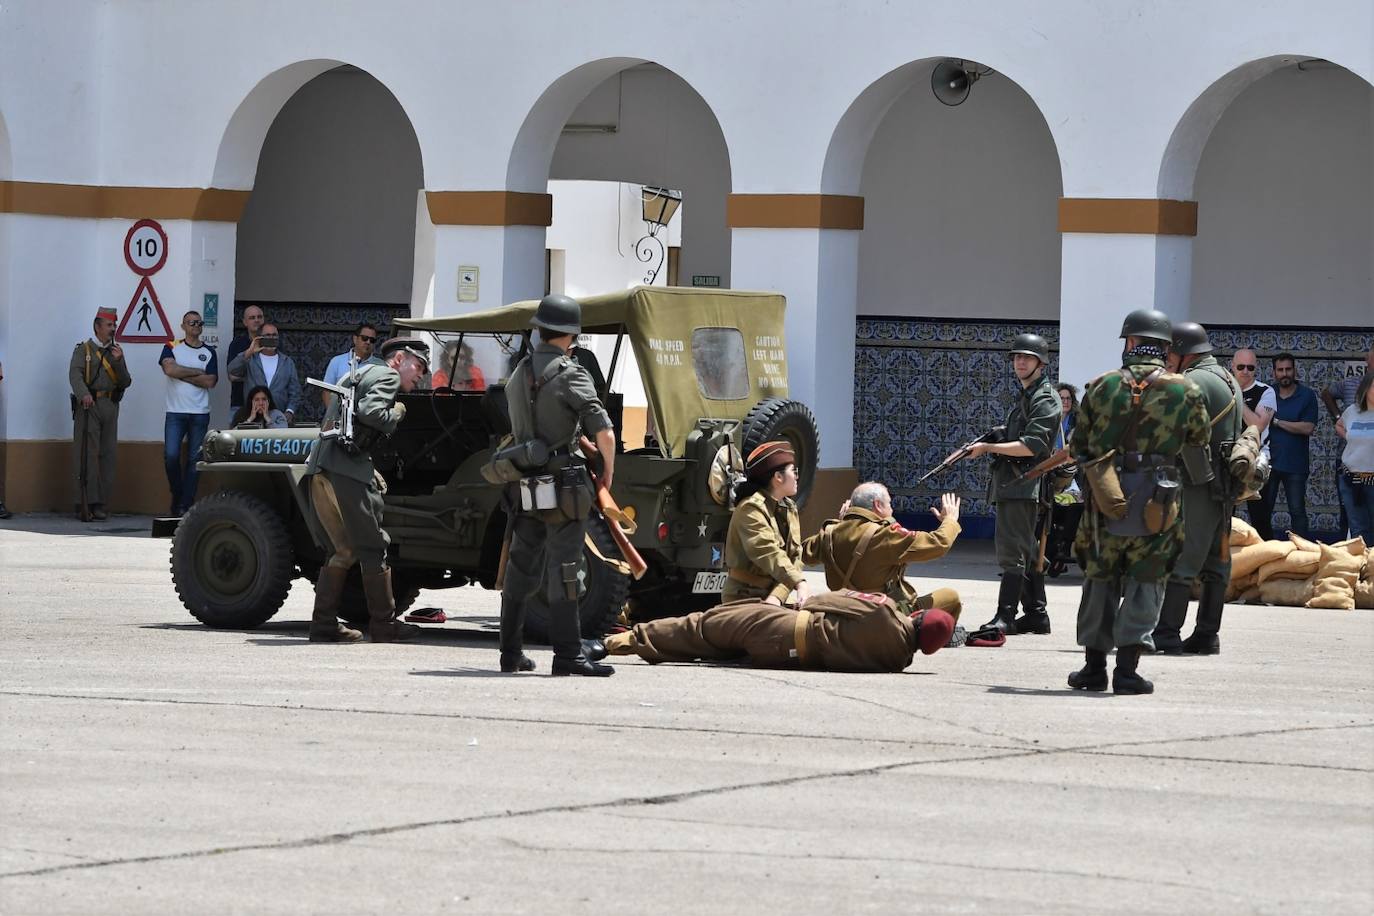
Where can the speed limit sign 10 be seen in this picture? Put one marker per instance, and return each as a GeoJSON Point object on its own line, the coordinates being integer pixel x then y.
{"type": "Point", "coordinates": [145, 247]}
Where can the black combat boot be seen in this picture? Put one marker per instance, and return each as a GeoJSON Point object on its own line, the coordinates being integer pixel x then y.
{"type": "Point", "coordinates": [1204, 640]}
{"type": "Point", "coordinates": [594, 650]}
{"type": "Point", "coordinates": [382, 625]}
{"type": "Point", "coordinates": [1124, 678]}
{"type": "Point", "coordinates": [1172, 613]}
{"type": "Point", "coordinates": [1093, 675]}
{"type": "Point", "coordinates": [1036, 618]}
{"type": "Point", "coordinates": [568, 656]}
{"type": "Point", "coordinates": [513, 657]}
{"type": "Point", "coordinates": [324, 622]}
{"type": "Point", "coordinates": [1008, 596]}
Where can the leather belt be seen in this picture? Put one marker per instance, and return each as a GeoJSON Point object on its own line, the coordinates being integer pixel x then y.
{"type": "Point", "coordinates": [800, 627]}
{"type": "Point", "coordinates": [748, 578]}
{"type": "Point", "coordinates": [1135, 461]}
{"type": "Point", "coordinates": [102, 394]}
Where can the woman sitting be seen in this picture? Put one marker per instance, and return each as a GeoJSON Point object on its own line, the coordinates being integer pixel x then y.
{"type": "Point", "coordinates": [258, 411]}
{"type": "Point", "coordinates": [763, 547]}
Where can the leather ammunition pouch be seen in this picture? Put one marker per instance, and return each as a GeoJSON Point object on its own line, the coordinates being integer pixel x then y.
{"type": "Point", "coordinates": [511, 461]}
{"type": "Point", "coordinates": [1197, 465]}
{"type": "Point", "coordinates": [1151, 487]}
{"type": "Point", "coordinates": [1109, 497]}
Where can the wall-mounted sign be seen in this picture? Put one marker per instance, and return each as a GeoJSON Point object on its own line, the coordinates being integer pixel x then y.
{"type": "Point", "coordinates": [209, 312]}
{"type": "Point", "coordinates": [705, 280]}
{"type": "Point", "coordinates": [145, 251]}
{"type": "Point", "coordinates": [467, 284]}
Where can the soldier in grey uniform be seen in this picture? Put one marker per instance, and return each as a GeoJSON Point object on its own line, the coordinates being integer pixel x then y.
{"type": "Point", "coordinates": [1032, 430]}
{"type": "Point", "coordinates": [1207, 501]}
{"type": "Point", "coordinates": [552, 399]}
{"type": "Point", "coordinates": [346, 493]}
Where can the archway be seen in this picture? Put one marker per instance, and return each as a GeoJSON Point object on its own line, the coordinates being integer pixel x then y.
{"type": "Point", "coordinates": [960, 249]}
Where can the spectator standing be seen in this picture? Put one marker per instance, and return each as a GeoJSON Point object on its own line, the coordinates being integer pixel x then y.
{"type": "Point", "coordinates": [1339, 395]}
{"type": "Point", "coordinates": [1260, 402]}
{"type": "Point", "coordinates": [253, 320]}
{"type": "Point", "coordinates": [4, 513]}
{"type": "Point", "coordinates": [1356, 479]}
{"type": "Point", "coordinates": [192, 369]}
{"type": "Point", "coordinates": [364, 345]}
{"type": "Point", "coordinates": [97, 376]}
{"type": "Point", "coordinates": [263, 364]}
{"type": "Point", "coordinates": [1289, 437]}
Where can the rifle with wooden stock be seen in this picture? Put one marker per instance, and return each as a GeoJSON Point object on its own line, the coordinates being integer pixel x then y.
{"type": "Point", "coordinates": [1057, 459]}
{"type": "Point", "coordinates": [995, 434]}
{"type": "Point", "coordinates": [615, 517]}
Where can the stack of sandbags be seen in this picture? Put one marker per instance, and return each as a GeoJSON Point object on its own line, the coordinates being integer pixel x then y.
{"type": "Point", "coordinates": [1299, 572]}
{"type": "Point", "coordinates": [1246, 563]}
{"type": "Point", "coordinates": [1342, 566]}
{"type": "Point", "coordinates": [1364, 588]}
{"type": "Point", "coordinates": [1287, 580]}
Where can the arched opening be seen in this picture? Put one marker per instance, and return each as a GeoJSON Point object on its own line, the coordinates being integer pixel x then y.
{"type": "Point", "coordinates": [328, 235]}
{"type": "Point", "coordinates": [594, 140]}
{"type": "Point", "coordinates": [960, 250]}
{"type": "Point", "coordinates": [1277, 155]}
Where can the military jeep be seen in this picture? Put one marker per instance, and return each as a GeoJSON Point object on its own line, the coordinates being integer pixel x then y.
{"type": "Point", "coordinates": [715, 378]}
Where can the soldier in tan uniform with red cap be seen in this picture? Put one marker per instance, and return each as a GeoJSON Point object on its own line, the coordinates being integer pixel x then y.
{"type": "Point", "coordinates": [97, 376]}
{"type": "Point", "coordinates": [836, 631]}
{"type": "Point", "coordinates": [763, 546]}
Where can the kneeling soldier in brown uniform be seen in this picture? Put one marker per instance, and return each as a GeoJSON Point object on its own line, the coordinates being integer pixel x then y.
{"type": "Point", "coordinates": [763, 545]}
{"type": "Point", "coordinates": [867, 550]}
{"type": "Point", "coordinates": [836, 631]}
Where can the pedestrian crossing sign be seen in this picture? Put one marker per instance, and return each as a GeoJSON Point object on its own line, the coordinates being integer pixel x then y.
{"type": "Point", "coordinates": [145, 311]}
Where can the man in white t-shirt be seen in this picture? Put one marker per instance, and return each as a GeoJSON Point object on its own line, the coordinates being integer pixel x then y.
{"type": "Point", "coordinates": [192, 369]}
{"type": "Point", "coordinates": [264, 364]}
{"type": "Point", "coordinates": [1260, 401]}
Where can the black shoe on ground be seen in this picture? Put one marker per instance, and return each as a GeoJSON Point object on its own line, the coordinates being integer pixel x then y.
{"type": "Point", "coordinates": [1033, 623]}
{"type": "Point", "coordinates": [1166, 644]}
{"type": "Point", "coordinates": [5, 513]}
{"type": "Point", "coordinates": [1125, 680]}
{"type": "Point", "coordinates": [562, 667]}
{"type": "Point", "coordinates": [1093, 674]}
{"type": "Point", "coordinates": [512, 664]}
{"type": "Point", "coordinates": [594, 650]}
{"type": "Point", "coordinates": [1201, 644]}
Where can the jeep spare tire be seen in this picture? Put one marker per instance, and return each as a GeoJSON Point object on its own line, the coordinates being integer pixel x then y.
{"type": "Point", "coordinates": [232, 561]}
{"type": "Point", "coordinates": [792, 421]}
{"type": "Point", "coordinates": [603, 598]}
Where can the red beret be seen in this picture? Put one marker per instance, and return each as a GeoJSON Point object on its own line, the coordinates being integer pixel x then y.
{"type": "Point", "coordinates": [106, 312]}
{"type": "Point", "coordinates": [767, 458]}
{"type": "Point", "coordinates": [934, 627]}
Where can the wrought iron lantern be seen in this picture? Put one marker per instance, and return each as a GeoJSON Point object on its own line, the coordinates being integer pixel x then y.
{"type": "Point", "coordinates": [659, 205]}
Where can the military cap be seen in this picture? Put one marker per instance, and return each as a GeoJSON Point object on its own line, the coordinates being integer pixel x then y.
{"type": "Point", "coordinates": [412, 345]}
{"type": "Point", "coordinates": [934, 627]}
{"type": "Point", "coordinates": [1031, 345]}
{"type": "Point", "coordinates": [767, 458]}
{"type": "Point", "coordinates": [1150, 323]}
{"type": "Point", "coordinates": [106, 312]}
{"type": "Point", "coordinates": [1190, 337]}
{"type": "Point", "coordinates": [558, 313]}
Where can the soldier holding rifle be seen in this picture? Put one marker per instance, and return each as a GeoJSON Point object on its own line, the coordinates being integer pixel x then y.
{"type": "Point", "coordinates": [552, 399]}
{"type": "Point", "coordinates": [1031, 430]}
{"type": "Point", "coordinates": [98, 376]}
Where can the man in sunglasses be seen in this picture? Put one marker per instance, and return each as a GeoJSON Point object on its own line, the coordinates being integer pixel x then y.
{"type": "Point", "coordinates": [364, 345]}
{"type": "Point", "coordinates": [192, 370]}
{"type": "Point", "coordinates": [1260, 401]}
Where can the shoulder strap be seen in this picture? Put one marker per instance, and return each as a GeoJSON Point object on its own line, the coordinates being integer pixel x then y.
{"type": "Point", "coordinates": [88, 376]}
{"type": "Point", "coordinates": [1138, 390]}
{"type": "Point", "coordinates": [828, 542]}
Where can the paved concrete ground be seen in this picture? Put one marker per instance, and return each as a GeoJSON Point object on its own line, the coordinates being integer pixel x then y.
{"type": "Point", "coordinates": [151, 765]}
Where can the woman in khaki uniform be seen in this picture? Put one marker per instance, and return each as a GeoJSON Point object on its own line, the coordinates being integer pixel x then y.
{"type": "Point", "coordinates": [763, 547]}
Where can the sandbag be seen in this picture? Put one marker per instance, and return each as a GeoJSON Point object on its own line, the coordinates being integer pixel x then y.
{"type": "Point", "coordinates": [1251, 558]}
{"type": "Point", "coordinates": [1344, 560]}
{"type": "Point", "coordinates": [1237, 587]}
{"type": "Point", "coordinates": [1250, 595]}
{"type": "Point", "coordinates": [1243, 534]}
{"type": "Point", "coordinates": [1364, 595]}
{"type": "Point", "coordinates": [1300, 564]}
{"type": "Point", "coordinates": [1333, 592]}
{"type": "Point", "coordinates": [1287, 592]}
{"type": "Point", "coordinates": [1303, 543]}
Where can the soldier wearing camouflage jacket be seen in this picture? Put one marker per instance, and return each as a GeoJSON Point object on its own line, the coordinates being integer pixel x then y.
{"type": "Point", "coordinates": [1139, 419]}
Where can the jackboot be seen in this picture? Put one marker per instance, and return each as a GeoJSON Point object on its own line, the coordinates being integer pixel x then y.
{"type": "Point", "coordinates": [324, 622]}
{"type": "Point", "coordinates": [566, 637]}
{"type": "Point", "coordinates": [1124, 678]}
{"type": "Point", "coordinates": [1008, 597]}
{"type": "Point", "coordinates": [1036, 618]}
{"type": "Point", "coordinates": [381, 610]}
{"type": "Point", "coordinates": [1172, 613]}
{"type": "Point", "coordinates": [1204, 640]}
{"type": "Point", "coordinates": [1093, 675]}
{"type": "Point", "coordinates": [513, 657]}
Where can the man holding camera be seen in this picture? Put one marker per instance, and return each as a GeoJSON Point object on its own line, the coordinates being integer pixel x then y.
{"type": "Point", "coordinates": [98, 376]}
{"type": "Point", "coordinates": [263, 364]}
{"type": "Point", "coordinates": [552, 398]}
{"type": "Point", "coordinates": [346, 493]}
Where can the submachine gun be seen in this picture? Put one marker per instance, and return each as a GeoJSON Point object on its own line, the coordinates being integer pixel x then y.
{"type": "Point", "coordinates": [995, 434]}
{"type": "Point", "coordinates": [343, 430]}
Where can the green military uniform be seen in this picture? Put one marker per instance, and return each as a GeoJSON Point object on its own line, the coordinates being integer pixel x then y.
{"type": "Point", "coordinates": [1034, 422]}
{"type": "Point", "coordinates": [1125, 573]}
{"type": "Point", "coordinates": [763, 549]}
{"type": "Point", "coordinates": [865, 552]}
{"type": "Point", "coordinates": [836, 631]}
{"type": "Point", "coordinates": [94, 370]}
{"type": "Point", "coordinates": [551, 398]}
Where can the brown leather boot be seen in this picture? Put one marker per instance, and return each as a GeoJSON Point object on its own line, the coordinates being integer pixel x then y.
{"type": "Point", "coordinates": [324, 623]}
{"type": "Point", "coordinates": [381, 610]}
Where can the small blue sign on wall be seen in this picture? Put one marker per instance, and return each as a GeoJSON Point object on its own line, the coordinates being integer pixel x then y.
{"type": "Point", "coordinates": [210, 310]}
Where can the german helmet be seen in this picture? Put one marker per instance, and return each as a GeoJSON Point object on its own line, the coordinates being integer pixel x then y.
{"type": "Point", "coordinates": [1031, 345]}
{"type": "Point", "coordinates": [1189, 338]}
{"type": "Point", "coordinates": [1150, 323]}
{"type": "Point", "coordinates": [558, 313]}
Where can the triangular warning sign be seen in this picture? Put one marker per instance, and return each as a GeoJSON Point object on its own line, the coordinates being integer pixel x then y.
{"type": "Point", "coordinates": [150, 322]}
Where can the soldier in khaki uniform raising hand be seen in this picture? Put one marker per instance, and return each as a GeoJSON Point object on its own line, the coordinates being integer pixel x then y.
{"type": "Point", "coordinates": [763, 545]}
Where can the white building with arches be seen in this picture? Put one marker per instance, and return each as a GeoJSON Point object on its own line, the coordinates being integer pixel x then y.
{"type": "Point", "coordinates": [1214, 160]}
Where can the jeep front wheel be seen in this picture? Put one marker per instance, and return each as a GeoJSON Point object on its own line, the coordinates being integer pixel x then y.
{"type": "Point", "coordinates": [232, 561]}
{"type": "Point", "coordinates": [601, 603]}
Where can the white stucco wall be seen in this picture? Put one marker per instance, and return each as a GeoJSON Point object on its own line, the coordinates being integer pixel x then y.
{"type": "Point", "coordinates": [1285, 196]}
{"type": "Point", "coordinates": [961, 207]}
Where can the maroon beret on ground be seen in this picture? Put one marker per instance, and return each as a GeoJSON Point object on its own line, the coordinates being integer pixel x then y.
{"type": "Point", "coordinates": [934, 627]}
{"type": "Point", "coordinates": [767, 458]}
